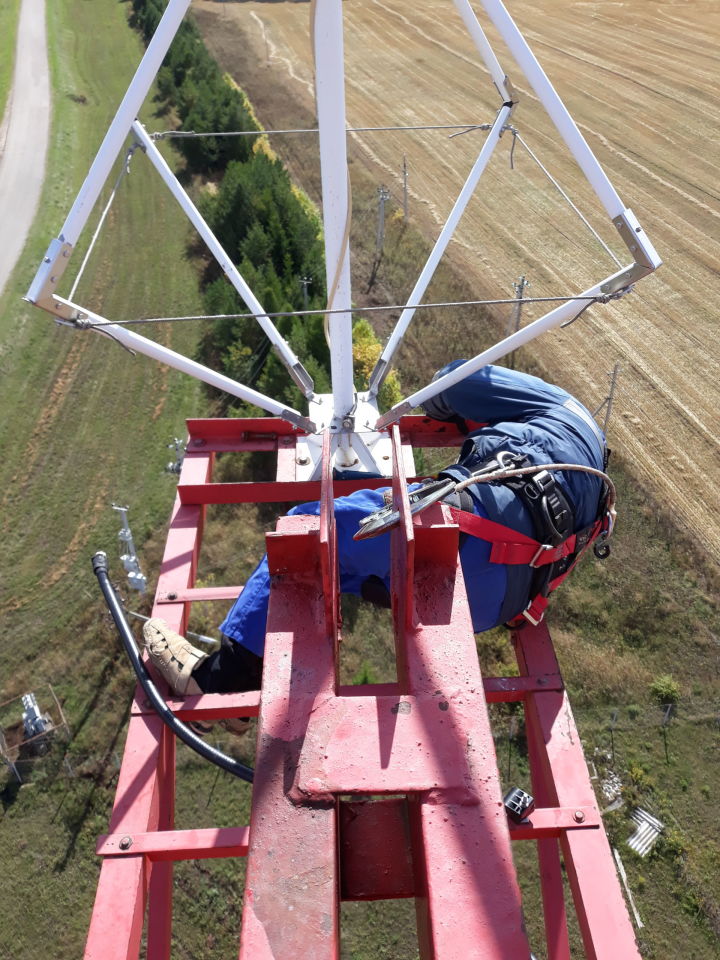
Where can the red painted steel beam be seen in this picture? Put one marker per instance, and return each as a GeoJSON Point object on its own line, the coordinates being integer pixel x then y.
{"type": "Point", "coordinates": [122, 889]}
{"type": "Point", "coordinates": [552, 888]}
{"type": "Point", "coordinates": [177, 844]}
{"type": "Point", "coordinates": [467, 897]}
{"type": "Point", "coordinates": [271, 491]}
{"type": "Point", "coordinates": [497, 689]}
{"type": "Point", "coordinates": [328, 551]}
{"type": "Point", "coordinates": [402, 562]}
{"type": "Point", "coordinates": [375, 850]}
{"type": "Point", "coordinates": [182, 549]}
{"type": "Point", "coordinates": [160, 890]}
{"type": "Point", "coordinates": [604, 922]}
{"type": "Point", "coordinates": [238, 429]}
{"type": "Point", "coordinates": [392, 744]}
{"type": "Point", "coordinates": [196, 594]}
{"type": "Point", "coordinates": [292, 886]}
{"type": "Point", "coordinates": [206, 706]}
{"type": "Point", "coordinates": [419, 431]}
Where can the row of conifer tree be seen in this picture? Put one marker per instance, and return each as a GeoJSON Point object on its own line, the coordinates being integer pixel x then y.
{"type": "Point", "coordinates": [266, 225]}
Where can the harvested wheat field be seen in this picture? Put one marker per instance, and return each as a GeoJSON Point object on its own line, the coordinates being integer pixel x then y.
{"type": "Point", "coordinates": [640, 80]}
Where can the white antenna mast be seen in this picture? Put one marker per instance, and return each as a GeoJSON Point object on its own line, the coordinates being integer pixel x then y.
{"type": "Point", "coordinates": [360, 440]}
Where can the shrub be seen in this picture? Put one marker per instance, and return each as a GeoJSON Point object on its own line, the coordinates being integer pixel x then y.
{"type": "Point", "coordinates": [665, 689]}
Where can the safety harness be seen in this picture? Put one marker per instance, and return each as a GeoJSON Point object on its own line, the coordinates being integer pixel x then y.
{"type": "Point", "coordinates": [556, 548]}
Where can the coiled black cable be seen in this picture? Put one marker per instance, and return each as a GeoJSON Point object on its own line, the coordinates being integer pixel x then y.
{"type": "Point", "coordinates": [181, 730]}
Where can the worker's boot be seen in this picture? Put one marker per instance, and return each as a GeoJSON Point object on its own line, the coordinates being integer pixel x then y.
{"type": "Point", "coordinates": [175, 658]}
{"type": "Point", "coordinates": [235, 725]}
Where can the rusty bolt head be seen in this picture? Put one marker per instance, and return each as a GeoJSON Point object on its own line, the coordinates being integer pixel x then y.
{"type": "Point", "coordinates": [578, 816]}
{"type": "Point", "coordinates": [126, 843]}
{"type": "Point", "coordinates": [172, 596]}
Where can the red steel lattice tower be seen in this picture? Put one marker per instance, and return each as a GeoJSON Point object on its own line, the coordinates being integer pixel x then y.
{"type": "Point", "coordinates": [425, 817]}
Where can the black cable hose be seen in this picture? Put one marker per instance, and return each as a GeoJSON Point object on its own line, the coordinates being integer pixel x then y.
{"type": "Point", "coordinates": [100, 569]}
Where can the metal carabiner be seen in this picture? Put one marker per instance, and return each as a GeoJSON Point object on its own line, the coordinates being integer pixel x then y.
{"type": "Point", "coordinates": [387, 517]}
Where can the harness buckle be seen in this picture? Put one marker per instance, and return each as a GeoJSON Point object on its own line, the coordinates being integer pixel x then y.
{"type": "Point", "coordinates": [530, 617]}
{"type": "Point", "coordinates": [539, 553]}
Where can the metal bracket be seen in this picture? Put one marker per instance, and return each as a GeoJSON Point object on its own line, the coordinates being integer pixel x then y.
{"type": "Point", "coordinates": [645, 256]}
{"type": "Point", "coordinates": [42, 290]}
{"type": "Point", "coordinates": [635, 239]}
{"type": "Point", "coordinates": [512, 102]}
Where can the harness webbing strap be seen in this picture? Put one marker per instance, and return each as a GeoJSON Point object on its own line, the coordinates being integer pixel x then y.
{"type": "Point", "coordinates": [510, 546]}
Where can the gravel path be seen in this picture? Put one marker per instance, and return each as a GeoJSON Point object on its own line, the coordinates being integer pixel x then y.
{"type": "Point", "coordinates": [24, 136]}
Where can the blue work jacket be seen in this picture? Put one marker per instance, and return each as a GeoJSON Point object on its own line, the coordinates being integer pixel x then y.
{"type": "Point", "coordinates": [524, 415]}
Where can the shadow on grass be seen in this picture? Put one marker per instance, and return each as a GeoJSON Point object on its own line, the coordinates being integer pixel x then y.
{"type": "Point", "coordinates": [76, 819]}
{"type": "Point", "coordinates": [100, 688]}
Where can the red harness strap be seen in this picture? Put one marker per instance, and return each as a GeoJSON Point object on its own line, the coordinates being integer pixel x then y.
{"type": "Point", "coordinates": [512, 547]}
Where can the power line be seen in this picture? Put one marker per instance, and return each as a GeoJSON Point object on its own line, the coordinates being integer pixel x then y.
{"type": "Point", "coordinates": [603, 298]}
{"type": "Point", "coordinates": [180, 134]}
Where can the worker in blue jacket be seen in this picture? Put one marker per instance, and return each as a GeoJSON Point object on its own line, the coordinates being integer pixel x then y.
{"type": "Point", "coordinates": [528, 423]}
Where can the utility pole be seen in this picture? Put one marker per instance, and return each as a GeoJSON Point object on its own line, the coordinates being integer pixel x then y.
{"type": "Point", "coordinates": [383, 197]}
{"type": "Point", "coordinates": [669, 707]}
{"type": "Point", "coordinates": [305, 283]}
{"type": "Point", "coordinates": [608, 401]}
{"type": "Point", "coordinates": [613, 721]}
{"type": "Point", "coordinates": [128, 554]}
{"type": "Point", "coordinates": [405, 189]}
{"type": "Point", "coordinates": [514, 324]}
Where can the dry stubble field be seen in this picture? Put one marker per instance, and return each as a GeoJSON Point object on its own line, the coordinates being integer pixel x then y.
{"type": "Point", "coordinates": [639, 78]}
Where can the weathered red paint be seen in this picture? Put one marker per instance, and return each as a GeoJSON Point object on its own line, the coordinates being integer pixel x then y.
{"type": "Point", "coordinates": [447, 840]}
{"type": "Point", "coordinates": [560, 765]}
{"type": "Point", "coordinates": [177, 844]}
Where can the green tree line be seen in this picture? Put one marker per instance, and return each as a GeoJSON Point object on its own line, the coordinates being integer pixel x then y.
{"type": "Point", "coordinates": [267, 227]}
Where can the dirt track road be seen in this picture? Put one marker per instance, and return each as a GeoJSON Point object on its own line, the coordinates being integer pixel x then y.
{"type": "Point", "coordinates": [24, 136]}
{"type": "Point", "coordinates": [640, 80]}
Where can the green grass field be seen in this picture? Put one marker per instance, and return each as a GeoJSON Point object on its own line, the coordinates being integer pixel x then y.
{"type": "Point", "coordinates": [9, 10]}
{"type": "Point", "coordinates": [82, 423]}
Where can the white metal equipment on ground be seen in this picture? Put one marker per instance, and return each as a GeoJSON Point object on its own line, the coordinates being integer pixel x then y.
{"type": "Point", "coordinates": [359, 434]}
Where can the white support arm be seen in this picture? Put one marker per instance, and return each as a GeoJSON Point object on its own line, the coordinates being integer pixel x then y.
{"type": "Point", "coordinates": [133, 341]}
{"type": "Point", "coordinates": [382, 366]}
{"type": "Point", "coordinates": [330, 96]}
{"type": "Point", "coordinates": [565, 312]}
{"type": "Point", "coordinates": [556, 109]}
{"type": "Point", "coordinates": [295, 368]}
{"type": "Point", "coordinates": [111, 145]}
{"type": "Point", "coordinates": [482, 44]}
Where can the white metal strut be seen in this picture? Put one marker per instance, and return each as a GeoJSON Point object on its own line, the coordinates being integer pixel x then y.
{"type": "Point", "coordinates": [352, 417]}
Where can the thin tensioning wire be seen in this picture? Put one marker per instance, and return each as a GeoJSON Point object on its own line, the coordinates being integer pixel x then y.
{"type": "Point", "coordinates": [554, 182]}
{"type": "Point", "coordinates": [461, 128]}
{"type": "Point", "coordinates": [124, 171]}
{"type": "Point", "coordinates": [603, 298]}
{"type": "Point", "coordinates": [162, 134]}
